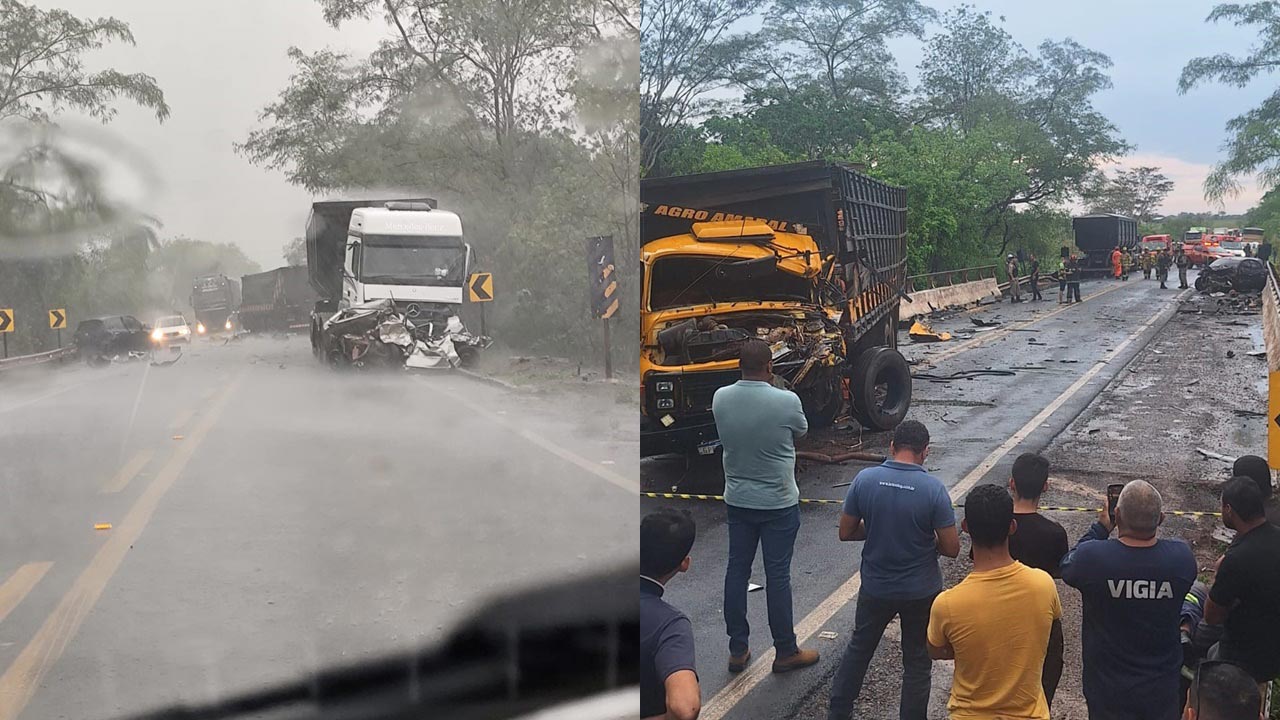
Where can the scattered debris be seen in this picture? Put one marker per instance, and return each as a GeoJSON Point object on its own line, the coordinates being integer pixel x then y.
{"type": "Point", "coordinates": [752, 587]}
{"type": "Point", "coordinates": [828, 635]}
{"type": "Point", "coordinates": [1215, 456]}
{"type": "Point", "coordinates": [963, 375]}
{"type": "Point", "coordinates": [1257, 353]}
{"type": "Point", "coordinates": [1231, 353]}
{"type": "Point", "coordinates": [1068, 361]}
{"type": "Point", "coordinates": [920, 332]}
{"type": "Point", "coordinates": [1193, 382]}
{"type": "Point", "coordinates": [984, 323]}
{"type": "Point", "coordinates": [377, 334]}
{"type": "Point", "coordinates": [1249, 413]}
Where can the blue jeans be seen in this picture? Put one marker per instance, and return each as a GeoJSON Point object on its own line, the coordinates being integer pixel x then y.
{"type": "Point", "coordinates": [775, 532]}
{"type": "Point", "coordinates": [871, 617]}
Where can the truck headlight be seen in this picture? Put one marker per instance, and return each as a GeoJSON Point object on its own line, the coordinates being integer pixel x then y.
{"type": "Point", "coordinates": [665, 386]}
{"type": "Point", "coordinates": [666, 403]}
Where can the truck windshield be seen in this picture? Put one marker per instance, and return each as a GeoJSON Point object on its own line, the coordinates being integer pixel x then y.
{"type": "Point", "coordinates": [694, 280]}
{"type": "Point", "coordinates": [413, 260]}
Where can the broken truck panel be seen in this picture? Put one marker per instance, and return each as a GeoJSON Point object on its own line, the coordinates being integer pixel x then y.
{"type": "Point", "coordinates": [809, 258]}
{"type": "Point", "coordinates": [376, 333]}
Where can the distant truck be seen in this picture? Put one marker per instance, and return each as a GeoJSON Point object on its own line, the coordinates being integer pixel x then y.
{"type": "Point", "coordinates": [214, 298]}
{"type": "Point", "coordinates": [809, 257]}
{"type": "Point", "coordinates": [372, 258]}
{"type": "Point", "coordinates": [277, 300]}
{"type": "Point", "coordinates": [1157, 243]}
{"type": "Point", "coordinates": [1100, 233]}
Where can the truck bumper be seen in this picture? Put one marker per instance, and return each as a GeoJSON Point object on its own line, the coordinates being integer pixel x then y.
{"type": "Point", "coordinates": [680, 440]}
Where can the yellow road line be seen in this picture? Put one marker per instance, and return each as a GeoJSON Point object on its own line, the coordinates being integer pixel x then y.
{"type": "Point", "coordinates": [121, 479]}
{"type": "Point", "coordinates": [983, 338]}
{"type": "Point", "coordinates": [733, 693]}
{"type": "Point", "coordinates": [183, 418]}
{"type": "Point", "coordinates": [19, 584]}
{"type": "Point", "coordinates": [20, 681]}
{"type": "Point", "coordinates": [631, 485]}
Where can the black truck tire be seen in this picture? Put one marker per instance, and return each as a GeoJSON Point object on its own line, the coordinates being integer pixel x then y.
{"type": "Point", "coordinates": [880, 388]}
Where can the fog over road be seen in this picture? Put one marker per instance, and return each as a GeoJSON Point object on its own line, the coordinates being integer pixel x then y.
{"type": "Point", "coordinates": [269, 516]}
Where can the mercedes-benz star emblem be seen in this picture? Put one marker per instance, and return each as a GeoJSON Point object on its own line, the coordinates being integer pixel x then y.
{"type": "Point", "coordinates": [411, 311]}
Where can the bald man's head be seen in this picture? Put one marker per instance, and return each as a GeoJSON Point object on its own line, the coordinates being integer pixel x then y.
{"type": "Point", "coordinates": [1139, 509]}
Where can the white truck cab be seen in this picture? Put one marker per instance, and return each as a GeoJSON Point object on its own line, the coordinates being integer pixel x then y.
{"type": "Point", "coordinates": [405, 252]}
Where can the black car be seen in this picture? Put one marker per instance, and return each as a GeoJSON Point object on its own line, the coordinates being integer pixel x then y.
{"type": "Point", "coordinates": [101, 339]}
{"type": "Point", "coordinates": [1242, 274]}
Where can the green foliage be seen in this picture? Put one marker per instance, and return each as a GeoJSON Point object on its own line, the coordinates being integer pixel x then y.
{"type": "Point", "coordinates": [1254, 145]}
{"type": "Point", "coordinates": [1135, 192]}
{"type": "Point", "coordinates": [41, 51]}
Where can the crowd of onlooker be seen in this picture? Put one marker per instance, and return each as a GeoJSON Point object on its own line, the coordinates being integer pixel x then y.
{"type": "Point", "coordinates": [1155, 642]}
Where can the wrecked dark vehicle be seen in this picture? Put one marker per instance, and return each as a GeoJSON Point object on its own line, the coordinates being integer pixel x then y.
{"type": "Point", "coordinates": [100, 340]}
{"type": "Point", "coordinates": [377, 334]}
{"type": "Point", "coordinates": [1239, 274]}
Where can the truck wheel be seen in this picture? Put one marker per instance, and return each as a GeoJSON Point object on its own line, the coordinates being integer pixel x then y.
{"type": "Point", "coordinates": [822, 402]}
{"type": "Point", "coordinates": [880, 388]}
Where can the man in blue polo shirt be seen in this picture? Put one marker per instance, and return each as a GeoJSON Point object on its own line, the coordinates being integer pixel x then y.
{"type": "Point", "coordinates": [668, 678]}
{"type": "Point", "coordinates": [904, 514]}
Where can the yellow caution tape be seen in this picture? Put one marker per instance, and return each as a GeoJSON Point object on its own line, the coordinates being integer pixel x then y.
{"type": "Point", "coordinates": [810, 501]}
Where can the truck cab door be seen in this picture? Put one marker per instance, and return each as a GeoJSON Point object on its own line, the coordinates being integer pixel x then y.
{"type": "Point", "coordinates": [350, 289]}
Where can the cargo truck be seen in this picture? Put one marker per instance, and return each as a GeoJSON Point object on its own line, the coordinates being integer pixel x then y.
{"type": "Point", "coordinates": [277, 300]}
{"type": "Point", "coordinates": [390, 275]}
{"type": "Point", "coordinates": [1100, 233]}
{"type": "Point", "coordinates": [214, 298]}
{"type": "Point", "coordinates": [809, 257]}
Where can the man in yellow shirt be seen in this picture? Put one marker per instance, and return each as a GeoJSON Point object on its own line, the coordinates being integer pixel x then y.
{"type": "Point", "coordinates": [995, 624]}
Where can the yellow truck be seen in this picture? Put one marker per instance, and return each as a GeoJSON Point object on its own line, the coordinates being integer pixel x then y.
{"type": "Point", "coordinates": [809, 257]}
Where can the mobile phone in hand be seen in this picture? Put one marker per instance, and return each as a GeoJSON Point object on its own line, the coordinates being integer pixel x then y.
{"type": "Point", "coordinates": [1113, 497]}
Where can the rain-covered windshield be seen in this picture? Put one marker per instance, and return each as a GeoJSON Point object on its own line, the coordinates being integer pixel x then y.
{"type": "Point", "coordinates": [305, 478]}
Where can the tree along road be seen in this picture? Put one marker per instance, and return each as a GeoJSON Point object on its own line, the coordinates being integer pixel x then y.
{"type": "Point", "coordinates": [269, 517]}
{"type": "Point", "coordinates": [1063, 356]}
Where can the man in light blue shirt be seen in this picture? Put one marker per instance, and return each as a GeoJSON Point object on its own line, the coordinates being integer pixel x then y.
{"type": "Point", "coordinates": [904, 514]}
{"type": "Point", "coordinates": [758, 424]}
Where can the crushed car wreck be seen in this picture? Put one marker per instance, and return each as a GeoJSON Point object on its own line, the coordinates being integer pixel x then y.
{"type": "Point", "coordinates": [376, 334]}
{"type": "Point", "coordinates": [1241, 274]}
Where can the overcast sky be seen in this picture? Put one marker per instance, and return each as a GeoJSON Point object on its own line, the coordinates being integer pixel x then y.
{"type": "Point", "coordinates": [1149, 41]}
{"type": "Point", "coordinates": [219, 62]}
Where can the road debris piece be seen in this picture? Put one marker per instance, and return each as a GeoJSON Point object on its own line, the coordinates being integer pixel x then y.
{"type": "Point", "coordinates": [984, 323]}
{"type": "Point", "coordinates": [178, 437]}
{"type": "Point", "coordinates": [102, 526]}
{"type": "Point", "coordinates": [1257, 353]}
{"type": "Point", "coordinates": [1215, 456]}
{"type": "Point", "coordinates": [828, 635]}
{"type": "Point", "coordinates": [1193, 382]}
{"type": "Point", "coordinates": [1231, 353]}
{"type": "Point", "coordinates": [1249, 413]}
{"type": "Point", "coordinates": [752, 587]}
{"type": "Point", "coordinates": [963, 375]}
{"type": "Point", "coordinates": [923, 333]}
{"type": "Point", "coordinates": [837, 459]}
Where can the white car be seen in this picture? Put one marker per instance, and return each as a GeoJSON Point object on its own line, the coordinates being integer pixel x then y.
{"type": "Point", "coordinates": [171, 329]}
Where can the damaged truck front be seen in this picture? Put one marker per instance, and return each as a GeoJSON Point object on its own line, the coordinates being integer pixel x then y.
{"type": "Point", "coordinates": [390, 275]}
{"type": "Point", "coordinates": [810, 258]}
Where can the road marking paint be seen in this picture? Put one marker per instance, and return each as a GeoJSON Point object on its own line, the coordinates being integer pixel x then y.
{"type": "Point", "coordinates": [183, 418]}
{"type": "Point", "coordinates": [21, 679]}
{"type": "Point", "coordinates": [604, 473]}
{"type": "Point", "coordinates": [21, 582]}
{"type": "Point", "coordinates": [986, 337]}
{"type": "Point", "coordinates": [733, 693]}
{"type": "Point", "coordinates": [121, 479]}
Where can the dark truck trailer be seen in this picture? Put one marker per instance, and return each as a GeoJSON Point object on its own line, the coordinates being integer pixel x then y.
{"type": "Point", "coordinates": [214, 298]}
{"type": "Point", "coordinates": [1100, 233]}
{"type": "Point", "coordinates": [277, 300]}
{"type": "Point", "coordinates": [858, 225]}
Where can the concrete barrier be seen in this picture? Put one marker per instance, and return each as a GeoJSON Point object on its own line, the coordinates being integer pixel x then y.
{"type": "Point", "coordinates": [924, 302]}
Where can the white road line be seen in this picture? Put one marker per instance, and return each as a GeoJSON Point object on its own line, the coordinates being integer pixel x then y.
{"type": "Point", "coordinates": [730, 695]}
{"type": "Point", "coordinates": [631, 485]}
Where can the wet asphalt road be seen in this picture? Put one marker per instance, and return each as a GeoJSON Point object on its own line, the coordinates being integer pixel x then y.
{"type": "Point", "coordinates": [269, 518]}
{"type": "Point", "coordinates": [978, 427]}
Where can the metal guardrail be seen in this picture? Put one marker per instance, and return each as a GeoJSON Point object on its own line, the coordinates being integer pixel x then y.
{"type": "Point", "coordinates": [1271, 319]}
{"type": "Point", "coordinates": [37, 358]}
{"type": "Point", "coordinates": [947, 278]}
